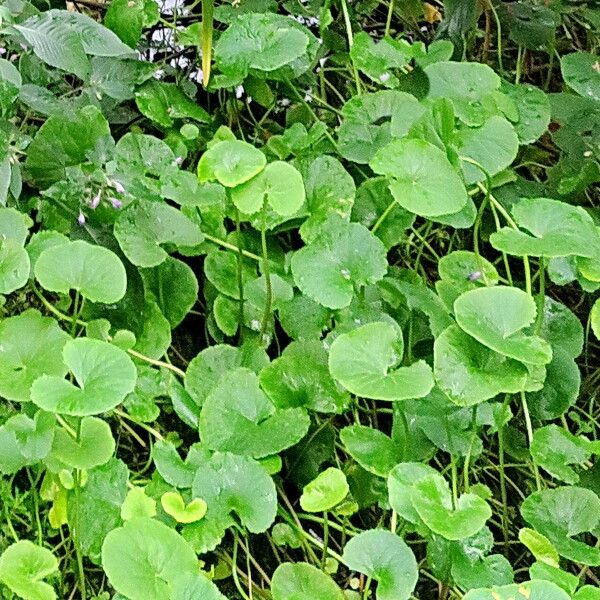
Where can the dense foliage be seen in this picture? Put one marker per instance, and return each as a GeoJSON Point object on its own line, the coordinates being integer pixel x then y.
{"type": "Point", "coordinates": [299, 300]}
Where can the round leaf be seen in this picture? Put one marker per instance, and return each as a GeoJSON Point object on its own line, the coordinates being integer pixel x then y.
{"type": "Point", "coordinates": [23, 566]}
{"type": "Point", "coordinates": [231, 163]}
{"type": "Point", "coordinates": [371, 449]}
{"type": "Point", "coordinates": [174, 506]}
{"type": "Point", "coordinates": [386, 558]}
{"type": "Point", "coordinates": [421, 178]}
{"type": "Point", "coordinates": [301, 581]}
{"type": "Point", "coordinates": [340, 258]}
{"type": "Point", "coordinates": [554, 229]}
{"type": "Point", "coordinates": [144, 558]}
{"type": "Point", "coordinates": [324, 492]}
{"type": "Point", "coordinates": [96, 272]}
{"type": "Point", "coordinates": [238, 417]}
{"type": "Point", "coordinates": [104, 375]}
{"type": "Point", "coordinates": [279, 183]}
{"type": "Point", "coordinates": [30, 346]}
{"type": "Point", "coordinates": [364, 362]}
{"type": "Point", "coordinates": [496, 316]}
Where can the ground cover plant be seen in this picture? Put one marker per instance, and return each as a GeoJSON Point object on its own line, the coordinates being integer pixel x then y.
{"type": "Point", "coordinates": [299, 300]}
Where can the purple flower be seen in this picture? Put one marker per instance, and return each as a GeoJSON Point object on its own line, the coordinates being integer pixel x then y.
{"type": "Point", "coordinates": [81, 218]}
{"type": "Point", "coordinates": [95, 201]}
{"type": "Point", "coordinates": [118, 187]}
{"type": "Point", "coordinates": [116, 203]}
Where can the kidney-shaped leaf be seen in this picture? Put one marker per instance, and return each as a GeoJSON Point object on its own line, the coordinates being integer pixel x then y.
{"type": "Point", "coordinates": [95, 272]}
{"type": "Point", "coordinates": [371, 449]}
{"type": "Point", "coordinates": [30, 346]}
{"type": "Point", "coordinates": [563, 513]}
{"type": "Point", "coordinates": [301, 581]}
{"type": "Point", "coordinates": [23, 566]}
{"type": "Point", "coordinates": [279, 183]}
{"type": "Point", "coordinates": [324, 492]}
{"type": "Point", "coordinates": [496, 317]}
{"type": "Point", "coordinates": [364, 361]}
{"type": "Point", "coordinates": [174, 505]}
{"type": "Point", "coordinates": [386, 558]}
{"type": "Point", "coordinates": [238, 417]}
{"type": "Point", "coordinates": [553, 228]}
{"type": "Point", "coordinates": [104, 375]}
{"type": "Point", "coordinates": [144, 558]}
{"type": "Point", "coordinates": [231, 163]}
{"type": "Point", "coordinates": [421, 178]}
{"type": "Point", "coordinates": [528, 590]}
{"type": "Point", "coordinates": [144, 226]}
{"type": "Point", "coordinates": [341, 257]}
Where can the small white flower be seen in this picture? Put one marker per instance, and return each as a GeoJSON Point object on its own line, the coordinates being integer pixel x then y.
{"type": "Point", "coordinates": [118, 187]}
{"type": "Point", "coordinates": [95, 201]}
{"type": "Point", "coordinates": [81, 218]}
{"type": "Point", "coordinates": [239, 91]}
{"type": "Point", "coordinates": [384, 77]}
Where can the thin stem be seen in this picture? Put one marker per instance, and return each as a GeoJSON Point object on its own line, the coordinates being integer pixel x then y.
{"type": "Point", "coordinates": [228, 246]}
{"type": "Point", "coordinates": [503, 493]}
{"type": "Point", "coordinates": [538, 481]}
{"type": "Point", "coordinates": [388, 21]}
{"type": "Point", "coordinates": [383, 216]}
{"type": "Point", "coordinates": [266, 273]}
{"type": "Point", "coordinates": [350, 37]}
{"type": "Point", "coordinates": [240, 270]}
{"type": "Point", "coordinates": [157, 363]}
{"type": "Point", "coordinates": [541, 299]}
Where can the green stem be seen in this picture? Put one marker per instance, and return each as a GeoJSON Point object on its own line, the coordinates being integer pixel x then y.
{"type": "Point", "coordinates": [388, 21]}
{"type": "Point", "coordinates": [528, 426]}
{"type": "Point", "coordinates": [240, 270]}
{"type": "Point", "coordinates": [206, 38]}
{"type": "Point", "coordinates": [267, 274]}
{"type": "Point", "coordinates": [350, 37]}
{"type": "Point", "coordinates": [75, 531]}
{"type": "Point", "coordinates": [541, 299]}
{"type": "Point", "coordinates": [383, 216]}
{"type": "Point", "coordinates": [503, 493]}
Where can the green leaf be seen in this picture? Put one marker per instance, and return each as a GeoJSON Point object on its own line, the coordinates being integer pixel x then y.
{"type": "Point", "coordinates": [386, 558]}
{"type": "Point", "coordinates": [238, 417]}
{"type": "Point", "coordinates": [231, 163]}
{"type": "Point", "coordinates": [97, 507]}
{"type": "Point", "coordinates": [172, 469]}
{"type": "Point", "coordinates": [236, 483]}
{"type": "Point", "coordinates": [174, 505]}
{"type": "Point", "coordinates": [104, 375]}
{"type": "Point", "coordinates": [144, 226]}
{"type": "Point", "coordinates": [144, 559]}
{"type": "Point", "coordinates": [580, 72]}
{"type": "Point", "coordinates": [23, 566]}
{"type": "Point", "coordinates": [595, 318]}
{"type": "Point", "coordinates": [465, 84]}
{"type": "Point", "coordinates": [173, 286]}
{"type": "Point", "coordinates": [94, 447]}
{"type": "Point", "coordinates": [166, 102]}
{"type": "Point", "coordinates": [554, 229]}
{"type": "Point", "coordinates": [64, 141]}
{"type": "Point", "coordinates": [432, 500]}
{"type": "Point", "coordinates": [33, 436]}
{"type": "Point", "coordinates": [342, 257]}
{"type": "Point", "coordinates": [561, 515]}
{"type": "Point", "coordinates": [365, 362]}
{"type": "Point", "coordinates": [324, 492]}
{"type": "Point", "coordinates": [137, 504]}
{"type": "Point", "coordinates": [261, 42]}
{"type": "Point", "coordinates": [555, 449]}
{"type": "Point", "coordinates": [206, 369]}
{"type": "Point", "coordinates": [469, 373]}
{"type": "Point", "coordinates": [279, 184]}
{"type": "Point", "coordinates": [529, 590]}
{"type": "Point", "coordinates": [371, 449]}
{"type": "Point", "coordinates": [300, 378]}
{"type": "Point", "coordinates": [195, 586]}
{"type": "Point", "coordinates": [301, 581]}
{"type": "Point", "coordinates": [494, 146]}
{"type": "Point", "coordinates": [496, 317]}
{"type": "Point", "coordinates": [421, 178]}
{"type": "Point", "coordinates": [533, 106]}
{"type": "Point", "coordinates": [95, 272]}
{"type": "Point", "coordinates": [539, 545]}
{"type": "Point", "coordinates": [30, 346]}
{"type": "Point", "coordinates": [127, 18]}
{"type": "Point", "coordinates": [14, 260]}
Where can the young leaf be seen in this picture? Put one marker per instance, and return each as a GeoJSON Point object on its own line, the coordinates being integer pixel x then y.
{"type": "Point", "coordinates": [144, 226]}
{"type": "Point", "coordinates": [341, 257]}
{"type": "Point", "coordinates": [300, 377]}
{"type": "Point", "coordinates": [279, 184]}
{"type": "Point", "coordinates": [364, 362]}
{"type": "Point", "coordinates": [238, 417]}
{"type": "Point", "coordinates": [104, 375]}
{"type": "Point", "coordinates": [23, 566]}
{"type": "Point", "coordinates": [386, 558]}
{"type": "Point", "coordinates": [301, 581]}
{"type": "Point", "coordinates": [231, 163]}
{"type": "Point", "coordinates": [563, 513]}
{"type": "Point", "coordinates": [174, 505]}
{"type": "Point", "coordinates": [144, 559]}
{"type": "Point", "coordinates": [421, 178]}
{"type": "Point", "coordinates": [30, 346]}
{"type": "Point", "coordinates": [555, 229]}
{"type": "Point", "coordinates": [95, 272]}
{"type": "Point", "coordinates": [324, 492]}
{"type": "Point", "coordinates": [496, 317]}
